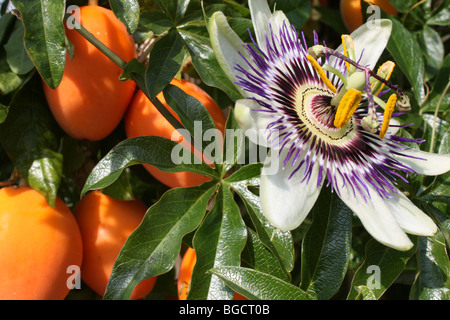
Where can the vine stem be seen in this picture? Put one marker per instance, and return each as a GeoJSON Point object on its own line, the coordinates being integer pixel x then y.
{"type": "Point", "coordinates": [140, 82]}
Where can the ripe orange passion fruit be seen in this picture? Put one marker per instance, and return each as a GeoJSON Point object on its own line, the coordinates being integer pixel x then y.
{"type": "Point", "coordinates": [91, 100]}
{"type": "Point", "coordinates": [38, 244]}
{"type": "Point", "coordinates": [105, 224]}
{"type": "Point", "coordinates": [143, 119]}
{"type": "Point", "coordinates": [351, 11]}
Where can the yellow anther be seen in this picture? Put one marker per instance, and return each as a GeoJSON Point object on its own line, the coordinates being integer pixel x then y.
{"type": "Point", "coordinates": [388, 110]}
{"type": "Point", "coordinates": [349, 102]}
{"type": "Point", "coordinates": [321, 73]}
{"type": "Point", "coordinates": [384, 71]}
{"type": "Point", "coordinates": [349, 51]}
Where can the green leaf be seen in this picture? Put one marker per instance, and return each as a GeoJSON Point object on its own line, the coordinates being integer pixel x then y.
{"type": "Point", "coordinates": [440, 16]}
{"type": "Point", "coordinates": [433, 49]}
{"type": "Point", "coordinates": [126, 11]}
{"type": "Point", "coordinates": [156, 21]}
{"type": "Point", "coordinates": [326, 247]}
{"type": "Point", "coordinates": [196, 120]}
{"type": "Point", "coordinates": [153, 247]}
{"type": "Point", "coordinates": [406, 52]}
{"type": "Point", "coordinates": [256, 256]}
{"type": "Point", "coordinates": [197, 42]}
{"type": "Point", "coordinates": [403, 5]}
{"type": "Point", "coordinates": [16, 55]}
{"type": "Point", "coordinates": [381, 267]}
{"type": "Point", "coordinates": [3, 113]}
{"type": "Point", "coordinates": [156, 151]}
{"type": "Point", "coordinates": [297, 11]}
{"type": "Point", "coordinates": [280, 243]}
{"type": "Point", "coordinates": [218, 242]}
{"type": "Point", "coordinates": [365, 293]}
{"type": "Point", "coordinates": [234, 142]}
{"type": "Point", "coordinates": [257, 285]}
{"type": "Point", "coordinates": [437, 94]}
{"type": "Point", "coordinates": [433, 281]}
{"type": "Point", "coordinates": [30, 136]}
{"type": "Point", "coordinates": [9, 80]}
{"type": "Point", "coordinates": [175, 9]}
{"type": "Point", "coordinates": [165, 61]}
{"type": "Point", "coordinates": [44, 36]}
{"type": "Point", "coordinates": [244, 173]}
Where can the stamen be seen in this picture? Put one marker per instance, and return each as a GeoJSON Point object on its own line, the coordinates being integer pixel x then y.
{"type": "Point", "coordinates": [390, 105]}
{"type": "Point", "coordinates": [384, 71]}
{"type": "Point", "coordinates": [321, 73]}
{"type": "Point", "coordinates": [349, 51]}
{"type": "Point", "coordinates": [347, 107]}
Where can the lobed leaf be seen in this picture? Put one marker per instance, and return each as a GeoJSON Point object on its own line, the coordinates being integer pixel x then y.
{"type": "Point", "coordinates": [153, 247]}
{"type": "Point", "coordinates": [326, 247]}
{"type": "Point", "coordinates": [218, 242]}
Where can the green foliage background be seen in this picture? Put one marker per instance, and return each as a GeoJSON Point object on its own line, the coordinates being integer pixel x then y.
{"type": "Point", "coordinates": [327, 257]}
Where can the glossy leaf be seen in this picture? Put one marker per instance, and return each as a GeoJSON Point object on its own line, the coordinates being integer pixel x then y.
{"type": "Point", "coordinates": [153, 247]}
{"type": "Point", "coordinates": [126, 11]}
{"type": "Point", "coordinates": [154, 150]}
{"type": "Point", "coordinates": [34, 151]}
{"type": "Point", "coordinates": [44, 36]}
{"type": "Point", "coordinates": [165, 61]}
{"type": "Point", "coordinates": [196, 119]}
{"type": "Point", "coordinates": [365, 293]}
{"type": "Point", "coordinates": [433, 281]}
{"type": "Point", "coordinates": [156, 21]}
{"type": "Point", "coordinates": [256, 256]}
{"type": "Point", "coordinates": [404, 48]}
{"type": "Point", "coordinates": [16, 55]}
{"type": "Point", "coordinates": [381, 267]}
{"type": "Point", "coordinates": [175, 9]}
{"type": "Point", "coordinates": [218, 242]}
{"type": "Point", "coordinates": [257, 285]}
{"type": "Point", "coordinates": [280, 243]}
{"type": "Point", "coordinates": [326, 247]}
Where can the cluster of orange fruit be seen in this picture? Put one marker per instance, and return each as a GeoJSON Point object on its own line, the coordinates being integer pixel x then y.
{"type": "Point", "coordinates": [39, 244]}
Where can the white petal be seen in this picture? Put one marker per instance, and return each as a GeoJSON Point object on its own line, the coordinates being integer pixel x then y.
{"type": "Point", "coordinates": [263, 19]}
{"type": "Point", "coordinates": [286, 202]}
{"type": "Point", "coordinates": [370, 40]}
{"type": "Point", "coordinates": [252, 122]}
{"type": "Point", "coordinates": [376, 217]}
{"type": "Point", "coordinates": [226, 45]}
{"type": "Point", "coordinates": [410, 218]}
{"type": "Point", "coordinates": [427, 163]}
{"type": "Point", "coordinates": [260, 14]}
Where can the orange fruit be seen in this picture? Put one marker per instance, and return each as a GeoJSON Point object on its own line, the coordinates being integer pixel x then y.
{"type": "Point", "coordinates": [351, 11]}
{"type": "Point", "coordinates": [90, 101]}
{"type": "Point", "coordinates": [105, 224]}
{"type": "Point", "coordinates": [143, 119]}
{"type": "Point", "coordinates": [185, 275]}
{"type": "Point", "coordinates": [38, 246]}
